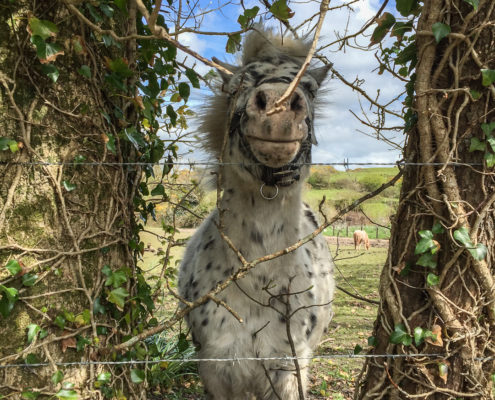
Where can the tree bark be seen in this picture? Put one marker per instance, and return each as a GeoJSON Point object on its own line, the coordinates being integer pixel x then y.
{"type": "Point", "coordinates": [451, 104]}
{"type": "Point", "coordinates": [62, 224]}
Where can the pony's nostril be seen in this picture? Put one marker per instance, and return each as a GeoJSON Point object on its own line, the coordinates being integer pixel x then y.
{"type": "Point", "coordinates": [296, 103]}
{"type": "Point", "coordinates": [260, 100]}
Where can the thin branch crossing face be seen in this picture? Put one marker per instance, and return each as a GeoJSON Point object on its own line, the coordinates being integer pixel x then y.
{"type": "Point", "coordinates": [283, 305]}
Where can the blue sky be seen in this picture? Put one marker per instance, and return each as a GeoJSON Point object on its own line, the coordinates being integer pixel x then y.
{"type": "Point", "coordinates": [339, 133]}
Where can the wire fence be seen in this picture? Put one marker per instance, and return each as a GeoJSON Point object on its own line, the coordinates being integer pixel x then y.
{"type": "Point", "coordinates": [344, 164]}
{"type": "Point", "coordinates": [239, 359]}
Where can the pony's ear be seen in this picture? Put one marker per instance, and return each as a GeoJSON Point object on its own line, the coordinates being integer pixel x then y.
{"type": "Point", "coordinates": [319, 74]}
{"type": "Point", "coordinates": [225, 76]}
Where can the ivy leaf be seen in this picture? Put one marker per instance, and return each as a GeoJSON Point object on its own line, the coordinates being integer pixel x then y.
{"type": "Point", "coordinates": [13, 267]}
{"type": "Point", "coordinates": [462, 236]}
{"type": "Point", "coordinates": [184, 91]}
{"type": "Point", "coordinates": [479, 252]}
{"type": "Point", "coordinates": [29, 279]}
{"type": "Point", "coordinates": [33, 330]}
{"type": "Point", "coordinates": [400, 336]}
{"type": "Point", "coordinates": [474, 3]}
{"type": "Point", "coordinates": [172, 114]}
{"type": "Point", "coordinates": [104, 377]}
{"type": "Point", "coordinates": [51, 71]}
{"type": "Point", "coordinates": [427, 260]}
{"type": "Point", "coordinates": [85, 71]}
{"type": "Point", "coordinates": [372, 341]}
{"type": "Point", "coordinates": [490, 159]}
{"type": "Point", "coordinates": [46, 52]}
{"type": "Point", "coordinates": [135, 137]}
{"type": "Point", "coordinates": [418, 335]}
{"type": "Point", "coordinates": [137, 375]}
{"type": "Point", "coordinates": [491, 140]}
{"type": "Point", "coordinates": [98, 307]}
{"type": "Point", "coordinates": [432, 279]}
{"type": "Point", "coordinates": [120, 67]}
{"type": "Point", "coordinates": [405, 6]}
{"type": "Point", "coordinates": [487, 76]}
{"type": "Point", "coordinates": [475, 94]}
{"type": "Point", "coordinates": [8, 300]}
{"type": "Point", "coordinates": [69, 186]}
{"type": "Point", "coordinates": [488, 128]}
{"type": "Point", "coordinates": [159, 190]}
{"type": "Point", "coordinates": [476, 144]}
{"type": "Point", "coordinates": [32, 359]}
{"type": "Point", "coordinates": [281, 11]}
{"type": "Point", "coordinates": [118, 277]}
{"type": "Point", "coordinates": [400, 29]}
{"type": "Point", "coordinates": [385, 22]}
{"type": "Point", "coordinates": [437, 228]}
{"type": "Point", "coordinates": [107, 10]}
{"type": "Point", "coordinates": [117, 297]}
{"type": "Point", "coordinates": [57, 377]}
{"type": "Point", "coordinates": [424, 245]}
{"type": "Point", "coordinates": [440, 30]}
{"type": "Point", "coordinates": [67, 394]}
{"type": "Point", "coordinates": [193, 78]}
{"type": "Point", "coordinates": [42, 28]}
{"type": "Point", "coordinates": [233, 43]}
{"type": "Point", "coordinates": [59, 321]}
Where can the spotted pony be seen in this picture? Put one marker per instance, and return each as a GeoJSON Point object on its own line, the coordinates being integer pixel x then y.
{"type": "Point", "coordinates": [266, 160]}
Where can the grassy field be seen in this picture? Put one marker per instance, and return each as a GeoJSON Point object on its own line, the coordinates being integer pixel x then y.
{"type": "Point", "coordinates": [357, 272]}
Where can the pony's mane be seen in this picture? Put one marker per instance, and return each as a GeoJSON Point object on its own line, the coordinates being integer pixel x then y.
{"type": "Point", "coordinates": [263, 43]}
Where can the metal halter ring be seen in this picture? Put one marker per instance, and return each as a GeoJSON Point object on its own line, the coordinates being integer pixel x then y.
{"type": "Point", "coordinates": [268, 198]}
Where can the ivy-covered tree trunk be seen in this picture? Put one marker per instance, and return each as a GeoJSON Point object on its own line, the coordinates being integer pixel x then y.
{"type": "Point", "coordinates": [437, 287]}
{"type": "Point", "coordinates": [65, 265]}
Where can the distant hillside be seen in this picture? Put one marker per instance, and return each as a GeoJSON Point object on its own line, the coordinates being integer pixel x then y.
{"type": "Point", "coordinates": [340, 188]}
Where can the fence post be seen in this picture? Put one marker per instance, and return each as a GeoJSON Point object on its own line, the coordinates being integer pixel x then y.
{"type": "Point", "coordinates": [377, 232]}
{"type": "Point", "coordinates": [347, 231]}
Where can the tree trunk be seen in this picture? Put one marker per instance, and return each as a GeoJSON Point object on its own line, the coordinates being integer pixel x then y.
{"type": "Point", "coordinates": [445, 308]}
{"type": "Point", "coordinates": [67, 226]}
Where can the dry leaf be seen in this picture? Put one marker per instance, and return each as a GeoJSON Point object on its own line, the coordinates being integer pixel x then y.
{"type": "Point", "coordinates": [68, 342]}
{"type": "Point", "coordinates": [443, 371]}
{"type": "Point", "coordinates": [436, 330]}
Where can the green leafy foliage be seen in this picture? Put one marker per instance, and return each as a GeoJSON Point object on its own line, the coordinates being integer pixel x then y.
{"type": "Point", "coordinates": [432, 279]}
{"type": "Point", "coordinates": [440, 30]}
{"type": "Point", "coordinates": [69, 186]}
{"type": "Point", "coordinates": [487, 76]}
{"type": "Point", "coordinates": [137, 376]}
{"type": "Point", "coordinates": [427, 260]}
{"type": "Point", "coordinates": [477, 145]}
{"type": "Point", "coordinates": [426, 242]}
{"type": "Point", "coordinates": [406, 7]}
{"type": "Point", "coordinates": [384, 23]}
{"type": "Point", "coordinates": [421, 334]}
{"type": "Point", "coordinates": [233, 43]}
{"type": "Point", "coordinates": [33, 330]}
{"type": "Point", "coordinates": [57, 377]}
{"type": "Point", "coordinates": [13, 267]}
{"type": "Point", "coordinates": [400, 336]}
{"type": "Point", "coordinates": [280, 10]}
{"type": "Point", "coordinates": [8, 300]}
{"type": "Point", "coordinates": [51, 71]}
{"type": "Point", "coordinates": [474, 3]}
{"type": "Point", "coordinates": [8, 144]}
{"type": "Point", "coordinates": [372, 341]}
{"type": "Point", "coordinates": [117, 297]}
{"type": "Point", "coordinates": [84, 70]}
{"type": "Point", "coordinates": [29, 279]}
{"type": "Point", "coordinates": [67, 394]}
{"type": "Point", "coordinates": [249, 14]}
{"type": "Point", "coordinates": [42, 28]}
{"type": "Point", "coordinates": [60, 321]}
{"type": "Point", "coordinates": [28, 394]}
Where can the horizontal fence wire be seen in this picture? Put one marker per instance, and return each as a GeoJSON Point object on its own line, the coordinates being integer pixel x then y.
{"type": "Point", "coordinates": [239, 359]}
{"type": "Point", "coordinates": [215, 164]}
